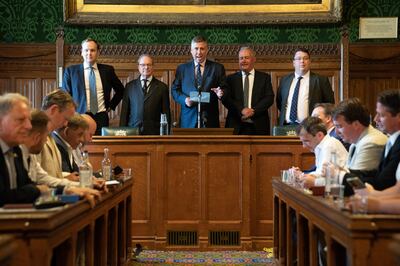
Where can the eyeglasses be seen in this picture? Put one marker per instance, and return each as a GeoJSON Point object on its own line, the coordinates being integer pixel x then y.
{"type": "Point", "coordinates": [145, 65]}
{"type": "Point", "coordinates": [306, 58]}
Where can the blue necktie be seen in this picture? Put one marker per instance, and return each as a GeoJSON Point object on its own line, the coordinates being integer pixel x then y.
{"type": "Point", "coordinates": [93, 91]}
{"type": "Point", "coordinates": [199, 78]}
{"type": "Point", "coordinates": [246, 91]}
{"type": "Point", "coordinates": [295, 99]}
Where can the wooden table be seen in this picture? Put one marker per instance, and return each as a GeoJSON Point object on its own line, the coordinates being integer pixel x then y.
{"type": "Point", "coordinates": [52, 235]}
{"type": "Point", "coordinates": [354, 239]}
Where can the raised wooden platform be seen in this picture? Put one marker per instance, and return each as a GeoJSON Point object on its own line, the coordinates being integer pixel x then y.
{"type": "Point", "coordinates": [202, 192]}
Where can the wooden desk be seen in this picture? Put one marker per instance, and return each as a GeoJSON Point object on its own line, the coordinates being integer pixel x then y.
{"type": "Point", "coordinates": [351, 239]}
{"type": "Point", "coordinates": [45, 235]}
{"type": "Point", "coordinates": [190, 190]}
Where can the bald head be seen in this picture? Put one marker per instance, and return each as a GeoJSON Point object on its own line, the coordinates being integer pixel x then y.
{"type": "Point", "coordinates": [92, 128]}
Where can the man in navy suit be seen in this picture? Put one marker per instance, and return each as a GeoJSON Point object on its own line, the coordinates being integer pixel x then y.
{"type": "Point", "coordinates": [15, 184]}
{"type": "Point", "coordinates": [387, 120]}
{"type": "Point", "coordinates": [248, 97]}
{"type": "Point", "coordinates": [145, 99]}
{"type": "Point", "coordinates": [202, 75]}
{"type": "Point", "coordinates": [298, 92]}
{"type": "Point", "coordinates": [90, 85]}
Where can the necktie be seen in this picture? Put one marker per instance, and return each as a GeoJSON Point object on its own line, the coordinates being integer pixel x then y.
{"type": "Point", "coordinates": [199, 78]}
{"type": "Point", "coordinates": [351, 153]}
{"type": "Point", "coordinates": [295, 98]}
{"type": "Point", "coordinates": [93, 91]}
{"type": "Point", "coordinates": [246, 91]}
{"type": "Point", "coordinates": [145, 86]}
{"type": "Point", "coordinates": [387, 147]}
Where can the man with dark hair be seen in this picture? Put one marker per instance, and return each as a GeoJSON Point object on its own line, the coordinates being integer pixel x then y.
{"type": "Point", "coordinates": [298, 92]}
{"type": "Point", "coordinates": [248, 96]}
{"type": "Point", "coordinates": [90, 84]}
{"type": "Point", "coordinates": [313, 135]}
{"type": "Point", "coordinates": [388, 120]}
{"type": "Point", "coordinates": [197, 75]}
{"type": "Point", "coordinates": [352, 122]}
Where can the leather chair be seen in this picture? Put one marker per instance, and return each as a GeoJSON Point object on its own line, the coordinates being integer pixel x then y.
{"type": "Point", "coordinates": [119, 131]}
{"type": "Point", "coordinates": [288, 130]}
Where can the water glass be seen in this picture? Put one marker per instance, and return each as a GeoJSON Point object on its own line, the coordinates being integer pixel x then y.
{"type": "Point", "coordinates": [337, 193]}
{"type": "Point", "coordinates": [285, 176]}
{"type": "Point", "coordinates": [127, 173]}
{"type": "Point", "coordinates": [360, 204]}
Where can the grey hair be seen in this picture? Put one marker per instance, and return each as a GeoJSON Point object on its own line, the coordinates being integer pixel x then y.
{"type": "Point", "coordinates": [8, 100]}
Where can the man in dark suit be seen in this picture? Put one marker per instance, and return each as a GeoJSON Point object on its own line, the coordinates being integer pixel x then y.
{"type": "Point", "coordinates": [145, 99]}
{"type": "Point", "coordinates": [298, 92]}
{"type": "Point", "coordinates": [68, 139]}
{"type": "Point", "coordinates": [90, 85]}
{"type": "Point", "coordinates": [15, 185]}
{"type": "Point", "coordinates": [387, 120]}
{"type": "Point", "coordinates": [199, 75]}
{"type": "Point", "coordinates": [248, 96]}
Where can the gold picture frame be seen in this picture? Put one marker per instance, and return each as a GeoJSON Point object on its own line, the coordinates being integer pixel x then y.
{"type": "Point", "coordinates": [90, 12]}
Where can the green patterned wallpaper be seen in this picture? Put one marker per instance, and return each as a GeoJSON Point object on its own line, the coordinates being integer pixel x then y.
{"type": "Point", "coordinates": [35, 21]}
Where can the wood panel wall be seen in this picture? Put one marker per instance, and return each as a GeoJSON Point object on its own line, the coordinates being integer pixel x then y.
{"type": "Point", "coordinates": [32, 69]}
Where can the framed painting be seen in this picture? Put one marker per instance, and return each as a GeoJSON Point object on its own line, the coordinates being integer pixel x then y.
{"type": "Point", "coordinates": [201, 12]}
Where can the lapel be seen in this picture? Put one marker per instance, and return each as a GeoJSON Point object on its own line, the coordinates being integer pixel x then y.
{"type": "Point", "coordinates": [287, 84]}
{"type": "Point", "coordinates": [4, 172]}
{"type": "Point", "coordinates": [257, 83]}
{"type": "Point", "coordinates": [311, 88]}
{"type": "Point", "coordinates": [53, 150]}
{"type": "Point", "coordinates": [191, 73]}
{"type": "Point", "coordinates": [206, 73]}
{"type": "Point", "coordinates": [22, 174]}
{"type": "Point", "coordinates": [150, 89]}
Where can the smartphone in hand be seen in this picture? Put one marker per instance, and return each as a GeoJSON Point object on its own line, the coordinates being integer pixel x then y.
{"type": "Point", "coordinates": [355, 183]}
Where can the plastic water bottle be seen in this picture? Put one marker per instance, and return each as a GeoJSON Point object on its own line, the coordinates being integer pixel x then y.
{"type": "Point", "coordinates": [163, 125]}
{"type": "Point", "coordinates": [332, 174]}
{"type": "Point", "coordinates": [85, 171]}
{"type": "Point", "coordinates": [106, 166]}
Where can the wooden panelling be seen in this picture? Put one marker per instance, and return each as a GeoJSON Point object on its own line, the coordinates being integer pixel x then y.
{"type": "Point", "coordinates": [202, 184]}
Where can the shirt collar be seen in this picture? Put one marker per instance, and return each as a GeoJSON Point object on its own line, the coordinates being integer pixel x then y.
{"type": "Point", "coordinates": [149, 79]}
{"type": "Point", "coordinates": [202, 64]}
{"type": "Point", "coordinates": [251, 72]}
{"type": "Point", "coordinates": [305, 76]}
{"type": "Point", "coordinates": [87, 66]}
{"type": "Point", "coordinates": [321, 144]}
{"type": "Point", "coordinates": [4, 147]}
{"type": "Point", "coordinates": [393, 137]}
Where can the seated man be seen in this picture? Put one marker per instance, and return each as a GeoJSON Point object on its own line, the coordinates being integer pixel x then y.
{"type": "Point", "coordinates": [312, 133]}
{"type": "Point", "coordinates": [352, 122]}
{"type": "Point", "coordinates": [68, 139]}
{"type": "Point", "coordinates": [33, 144]}
{"type": "Point", "coordinates": [388, 120]}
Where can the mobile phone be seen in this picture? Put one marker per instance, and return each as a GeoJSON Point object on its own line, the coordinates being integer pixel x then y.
{"type": "Point", "coordinates": [355, 183]}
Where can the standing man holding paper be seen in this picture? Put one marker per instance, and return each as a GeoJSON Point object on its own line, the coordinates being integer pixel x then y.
{"type": "Point", "coordinates": [199, 75]}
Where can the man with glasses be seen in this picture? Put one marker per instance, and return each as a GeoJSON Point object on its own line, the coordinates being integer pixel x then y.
{"type": "Point", "coordinates": [145, 99]}
{"type": "Point", "coordinates": [298, 92]}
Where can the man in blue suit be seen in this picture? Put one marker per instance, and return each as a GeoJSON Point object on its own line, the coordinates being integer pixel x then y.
{"type": "Point", "coordinates": [202, 75]}
{"type": "Point", "coordinates": [298, 92]}
{"type": "Point", "coordinates": [90, 85]}
{"type": "Point", "coordinates": [248, 97]}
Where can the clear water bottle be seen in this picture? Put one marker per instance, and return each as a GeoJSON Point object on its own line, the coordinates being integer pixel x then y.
{"type": "Point", "coordinates": [163, 125]}
{"type": "Point", "coordinates": [106, 166]}
{"type": "Point", "coordinates": [332, 174]}
{"type": "Point", "coordinates": [85, 171]}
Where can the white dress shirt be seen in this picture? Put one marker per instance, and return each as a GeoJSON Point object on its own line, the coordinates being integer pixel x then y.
{"type": "Point", "coordinates": [303, 99]}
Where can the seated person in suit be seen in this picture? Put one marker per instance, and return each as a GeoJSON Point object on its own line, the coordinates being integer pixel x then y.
{"type": "Point", "coordinates": [298, 92]}
{"type": "Point", "coordinates": [33, 144]}
{"type": "Point", "coordinates": [68, 139]}
{"type": "Point", "coordinates": [15, 184]}
{"type": "Point", "coordinates": [203, 75]}
{"type": "Point", "coordinates": [59, 107]}
{"type": "Point", "coordinates": [248, 96]}
{"type": "Point", "coordinates": [145, 99]}
{"type": "Point", "coordinates": [324, 112]}
{"type": "Point", "coordinates": [87, 138]}
{"type": "Point", "coordinates": [352, 122]}
{"type": "Point", "coordinates": [312, 133]}
{"type": "Point", "coordinates": [387, 119]}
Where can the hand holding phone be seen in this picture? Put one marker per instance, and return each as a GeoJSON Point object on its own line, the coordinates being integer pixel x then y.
{"type": "Point", "coordinates": [355, 183]}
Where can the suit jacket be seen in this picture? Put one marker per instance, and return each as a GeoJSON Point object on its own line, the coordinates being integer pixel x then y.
{"type": "Point", "coordinates": [50, 158]}
{"type": "Point", "coordinates": [144, 111]}
{"type": "Point", "coordinates": [26, 191]}
{"type": "Point", "coordinates": [262, 98]}
{"type": "Point", "coordinates": [184, 83]}
{"type": "Point", "coordinates": [382, 177]}
{"type": "Point", "coordinates": [320, 91]}
{"type": "Point", "coordinates": [74, 84]}
{"type": "Point", "coordinates": [66, 164]}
